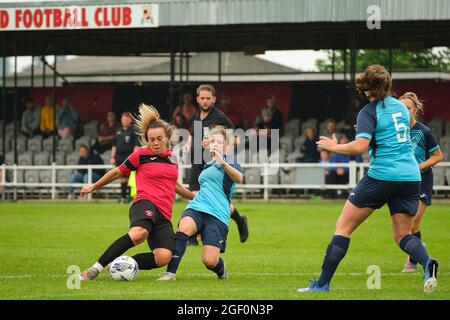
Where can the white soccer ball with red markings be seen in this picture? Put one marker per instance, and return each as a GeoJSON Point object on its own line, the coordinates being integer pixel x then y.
{"type": "Point", "coordinates": [124, 269]}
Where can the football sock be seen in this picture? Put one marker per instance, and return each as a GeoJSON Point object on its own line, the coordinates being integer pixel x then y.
{"type": "Point", "coordinates": [180, 248]}
{"type": "Point", "coordinates": [414, 247]}
{"type": "Point", "coordinates": [116, 250]}
{"type": "Point", "coordinates": [219, 269]}
{"type": "Point", "coordinates": [145, 261]}
{"type": "Point", "coordinates": [98, 266]}
{"type": "Point", "coordinates": [236, 216]}
{"type": "Point", "coordinates": [335, 253]}
{"type": "Point", "coordinates": [418, 236]}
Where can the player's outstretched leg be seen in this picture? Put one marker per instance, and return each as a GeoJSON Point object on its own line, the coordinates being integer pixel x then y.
{"type": "Point", "coordinates": [116, 249]}
{"type": "Point", "coordinates": [336, 251]}
{"type": "Point", "coordinates": [242, 223]}
{"type": "Point", "coordinates": [350, 218]}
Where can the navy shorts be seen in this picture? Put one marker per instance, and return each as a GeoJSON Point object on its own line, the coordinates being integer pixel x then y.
{"type": "Point", "coordinates": [400, 196]}
{"type": "Point", "coordinates": [213, 231]}
{"type": "Point", "coordinates": [426, 188]}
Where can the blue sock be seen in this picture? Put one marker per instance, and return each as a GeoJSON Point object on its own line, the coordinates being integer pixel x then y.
{"type": "Point", "coordinates": [219, 269]}
{"type": "Point", "coordinates": [180, 248]}
{"type": "Point", "coordinates": [414, 247]}
{"type": "Point", "coordinates": [335, 253]}
{"type": "Point", "coordinates": [418, 236]}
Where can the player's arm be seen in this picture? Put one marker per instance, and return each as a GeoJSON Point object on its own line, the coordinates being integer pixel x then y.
{"type": "Point", "coordinates": [434, 159]}
{"type": "Point", "coordinates": [182, 191]}
{"type": "Point", "coordinates": [233, 173]}
{"type": "Point", "coordinates": [109, 177]}
{"type": "Point", "coordinates": [356, 147]}
{"type": "Point", "coordinates": [187, 145]}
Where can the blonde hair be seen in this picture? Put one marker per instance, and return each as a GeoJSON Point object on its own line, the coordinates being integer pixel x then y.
{"type": "Point", "coordinates": [420, 109]}
{"type": "Point", "coordinates": [149, 118]}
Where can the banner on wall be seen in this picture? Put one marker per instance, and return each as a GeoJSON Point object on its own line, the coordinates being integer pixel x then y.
{"type": "Point", "coordinates": [80, 17]}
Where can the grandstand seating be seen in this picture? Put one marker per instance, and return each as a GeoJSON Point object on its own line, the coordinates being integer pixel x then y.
{"type": "Point", "coordinates": [65, 145]}
{"type": "Point", "coordinates": [32, 176]}
{"type": "Point", "coordinates": [25, 158]}
{"type": "Point", "coordinates": [34, 144]}
{"type": "Point", "coordinates": [42, 158]}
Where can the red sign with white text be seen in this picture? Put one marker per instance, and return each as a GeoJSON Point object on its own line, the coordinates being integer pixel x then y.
{"type": "Point", "coordinates": [79, 17]}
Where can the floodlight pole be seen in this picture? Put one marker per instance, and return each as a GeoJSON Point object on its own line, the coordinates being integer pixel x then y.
{"type": "Point", "coordinates": [16, 102]}
{"type": "Point", "coordinates": [55, 130]}
{"type": "Point", "coordinates": [4, 98]}
{"type": "Point", "coordinates": [219, 73]}
{"type": "Point", "coordinates": [32, 71]}
{"type": "Point", "coordinates": [43, 71]}
{"type": "Point", "coordinates": [4, 111]}
{"type": "Point", "coordinates": [172, 82]}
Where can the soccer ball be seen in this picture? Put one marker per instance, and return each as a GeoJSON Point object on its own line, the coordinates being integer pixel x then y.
{"type": "Point", "coordinates": [124, 269]}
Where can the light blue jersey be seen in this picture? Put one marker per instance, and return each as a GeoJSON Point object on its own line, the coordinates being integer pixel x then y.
{"type": "Point", "coordinates": [216, 190]}
{"type": "Point", "coordinates": [424, 143]}
{"type": "Point", "coordinates": [391, 152]}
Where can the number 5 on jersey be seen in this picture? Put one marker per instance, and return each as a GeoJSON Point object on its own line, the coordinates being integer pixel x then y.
{"type": "Point", "coordinates": [399, 127]}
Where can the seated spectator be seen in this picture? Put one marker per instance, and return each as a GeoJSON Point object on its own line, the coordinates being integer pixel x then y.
{"type": "Point", "coordinates": [330, 172]}
{"type": "Point", "coordinates": [330, 128]}
{"type": "Point", "coordinates": [348, 130]}
{"type": "Point", "coordinates": [265, 128]}
{"type": "Point", "coordinates": [309, 147]}
{"type": "Point", "coordinates": [30, 118]}
{"type": "Point", "coordinates": [225, 107]}
{"type": "Point", "coordinates": [107, 131]}
{"type": "Point", "coordinates": [81, 175]}
{"type": "Point", "coordinates": [277, 117]}
{"type": "Point", "coordinates": [66, 119]}
{"type": "Point", "coordinates": [187, 108]}
{"type": "Point", "coordinates": [47, 123]}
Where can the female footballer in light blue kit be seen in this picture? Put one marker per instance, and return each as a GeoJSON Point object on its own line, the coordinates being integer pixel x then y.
{"type": "Point", "coordinates": [428, 153]}
{"type": "Point", "coordinates": [393, 177]}
{"type": "Point", "coordinates": [208, 214]}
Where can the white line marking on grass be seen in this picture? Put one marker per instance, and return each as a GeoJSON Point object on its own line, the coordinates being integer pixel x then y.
{"type": "Point", "coordinates": [237, 274]}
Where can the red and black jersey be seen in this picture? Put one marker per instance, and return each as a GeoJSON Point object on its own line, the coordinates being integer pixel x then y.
{"type": "Point", "coordinates": [156, 177]}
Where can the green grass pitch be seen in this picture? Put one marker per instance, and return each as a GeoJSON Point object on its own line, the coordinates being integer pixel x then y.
{"type": "Point", "coordinates": [38, 241]}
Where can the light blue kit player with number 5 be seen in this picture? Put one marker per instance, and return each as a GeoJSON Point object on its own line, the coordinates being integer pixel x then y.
{"type": "Point", "coordinates": [393, 177]}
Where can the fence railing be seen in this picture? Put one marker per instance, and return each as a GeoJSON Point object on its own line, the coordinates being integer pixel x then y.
{"type": "Point", "coordinates": [257, 176]}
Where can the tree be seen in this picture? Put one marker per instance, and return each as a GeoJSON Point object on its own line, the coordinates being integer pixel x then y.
{"type": "Point", "coordinates": [429, 59]}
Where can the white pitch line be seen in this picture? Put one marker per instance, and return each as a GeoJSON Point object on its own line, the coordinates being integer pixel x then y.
{"type": "Point", "coordinates": [237, 274]}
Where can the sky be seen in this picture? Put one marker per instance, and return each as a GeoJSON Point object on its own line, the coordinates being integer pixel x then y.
{"type": "Point", "coordinates": [303, 60]}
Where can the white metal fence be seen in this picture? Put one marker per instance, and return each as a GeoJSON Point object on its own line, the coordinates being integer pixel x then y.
{"type": "Point", "coordinates": [263, 177]}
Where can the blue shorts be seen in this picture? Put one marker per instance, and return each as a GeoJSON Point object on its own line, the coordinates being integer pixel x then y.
{"type": "Point", "coordinates": [400, 196]}
{"type": "Point", "coordinates": [426, 188]}
{"type": "Point", "coordinates": [213, 231]}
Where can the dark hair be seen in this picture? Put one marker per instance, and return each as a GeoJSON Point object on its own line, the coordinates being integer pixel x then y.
{"type": "Point", "coordinates": [83, 146]}
{"type": "Point", "coordinates": [376, 80]}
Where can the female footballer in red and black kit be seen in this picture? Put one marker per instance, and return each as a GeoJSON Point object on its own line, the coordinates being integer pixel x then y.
{"type": "Point", "coordinates": [151, 211]}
